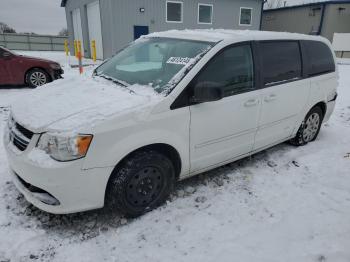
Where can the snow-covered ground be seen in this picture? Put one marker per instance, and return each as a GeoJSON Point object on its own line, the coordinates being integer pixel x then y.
{"type": "Point", "coordinates": [284, 204]}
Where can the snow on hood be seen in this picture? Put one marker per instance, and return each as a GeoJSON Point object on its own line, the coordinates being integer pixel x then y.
{"type": "Point", "coordinates": [77, 102]}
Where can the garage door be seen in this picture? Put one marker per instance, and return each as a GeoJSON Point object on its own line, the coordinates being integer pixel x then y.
{"type": "Point", "coordinates": [94, 23]}
{"type": "Point", "coordinates": [78, 32]}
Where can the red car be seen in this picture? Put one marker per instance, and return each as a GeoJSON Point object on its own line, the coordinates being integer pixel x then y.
{"type": "Point", "coordinates": [25, 70]}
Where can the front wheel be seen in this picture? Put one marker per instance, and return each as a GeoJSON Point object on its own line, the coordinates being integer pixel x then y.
{"type": "Point", "coordinates": [142, 183]}
{"type": "Point", "coordinates": [309, 129]}
{"type": "Point", "coordinates": [37, 77]}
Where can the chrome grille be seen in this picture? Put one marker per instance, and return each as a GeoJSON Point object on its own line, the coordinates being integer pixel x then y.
{"type": "Point", "coordinates": [19, 135]}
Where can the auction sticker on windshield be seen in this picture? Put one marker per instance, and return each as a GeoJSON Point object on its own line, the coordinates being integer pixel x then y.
{"type": "Point", "coordinates": [178, 60]}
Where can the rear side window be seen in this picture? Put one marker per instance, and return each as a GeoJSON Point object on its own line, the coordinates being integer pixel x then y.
{"type": "Point", "coordinates": [319, 58]}
{"type": "Point", "coordinates": [281, 61]}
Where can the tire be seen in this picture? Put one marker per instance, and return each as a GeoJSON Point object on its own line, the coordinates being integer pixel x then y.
{"type": "Point", "coordinates": [310, 128]}
{"type": "Point", "coordinates": [141, 183]}
{"type": "Point", "coordinates": [37, 77]}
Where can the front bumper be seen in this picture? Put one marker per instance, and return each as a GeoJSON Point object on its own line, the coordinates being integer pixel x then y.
{"type": "Point", "coordinates": [74, 189]}
{"type": "Point", "coordinates": [56, 74]}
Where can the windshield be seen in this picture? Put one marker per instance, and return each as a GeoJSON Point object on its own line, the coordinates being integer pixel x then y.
{"type": "Point", "coordinates": [157, 62]}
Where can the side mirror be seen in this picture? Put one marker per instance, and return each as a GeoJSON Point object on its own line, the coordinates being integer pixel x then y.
{"type": "Point", "coordinates": [206, 92]}
{"type": "Point", "coordinates": [6, 55]}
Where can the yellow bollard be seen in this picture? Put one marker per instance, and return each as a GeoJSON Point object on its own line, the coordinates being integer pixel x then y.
{"type": "Point", "coordinates": [66, 47]}
{"type": "Point", "coordinates": [93, 48]}
{"type": "Point", "coordinates": [75, 48]}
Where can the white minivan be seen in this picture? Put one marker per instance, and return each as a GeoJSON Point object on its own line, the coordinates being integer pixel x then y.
{"type": "Point", "coordinates": [169, 106]}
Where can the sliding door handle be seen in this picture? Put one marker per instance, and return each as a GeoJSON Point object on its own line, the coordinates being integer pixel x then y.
{"type": "Point", "coordinates": [270, 98]}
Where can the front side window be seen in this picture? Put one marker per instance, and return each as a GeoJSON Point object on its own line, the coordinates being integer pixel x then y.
{"type": "Point", "coordinates": [156, 62]}
{"type": "Point", "coordinates": [205, 14]}
{"type": "Point", "coordinates": [320, 58]}
{"type": "Point", "coordinates": [281, 61]}
{"type": "Point", "coordinates": [231, 70]}
{"type": "Point", "coordinates": [245, 17]}
{"type": "Point", "coordinates": [174, 12]}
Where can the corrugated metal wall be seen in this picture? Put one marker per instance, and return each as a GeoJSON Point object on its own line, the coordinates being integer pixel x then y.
{"type": "Point", "coordinates": [32, 42]}
{"type": "Point", "coordinates": [336, 20]}
{"type": "Point", "coordinates": [303, 20]}
{"type": "Point", "coordinates": [307, 19]}
{"type": "Point", "coordinates": [120, 16]}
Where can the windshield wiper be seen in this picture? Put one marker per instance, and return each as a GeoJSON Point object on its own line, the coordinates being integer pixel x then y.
{"type": "Point", "coordinates": [118, 82]}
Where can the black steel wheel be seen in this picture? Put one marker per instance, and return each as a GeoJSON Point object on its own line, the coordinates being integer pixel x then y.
{"type": "Point", "coordinates": [141, 183]}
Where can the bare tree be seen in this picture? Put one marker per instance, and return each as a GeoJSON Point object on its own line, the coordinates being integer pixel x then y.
{"type": "Point", "coordinates": [63, 32]}
{"type": "Point", "coordinates": [275, 4]}
{"type": "Point", "coordinates": [4, 28]}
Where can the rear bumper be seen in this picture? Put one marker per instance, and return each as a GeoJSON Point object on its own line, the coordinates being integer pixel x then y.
{"type": "Point", "coordinates": [330, 108]}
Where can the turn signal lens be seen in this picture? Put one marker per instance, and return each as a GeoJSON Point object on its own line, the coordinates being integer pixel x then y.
{"type": "Point", "coordinates": [83, 143]}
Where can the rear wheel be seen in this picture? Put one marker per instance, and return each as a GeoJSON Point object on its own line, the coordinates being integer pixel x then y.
{"type": "Point", "coordinates": [309, 129]}
{"type": "Point", "coordinates": [37, 77]}
{"type": "Point", "coordinates": [142, 183]}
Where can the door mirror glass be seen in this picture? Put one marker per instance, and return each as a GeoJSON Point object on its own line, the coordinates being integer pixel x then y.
{"type": "Point", "coordinates": [206, 92]}
{"type": "Point", "coordinates": [6, 55]}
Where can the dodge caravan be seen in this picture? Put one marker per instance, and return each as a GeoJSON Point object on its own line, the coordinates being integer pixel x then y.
{"type": "Point", "coordinates": [168, 106]}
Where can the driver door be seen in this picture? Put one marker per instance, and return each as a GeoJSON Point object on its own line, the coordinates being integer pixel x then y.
{"type": "Point", "coordinates": [223, 130]}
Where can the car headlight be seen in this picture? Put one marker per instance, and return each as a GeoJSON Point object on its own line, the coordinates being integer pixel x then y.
{"type": "Point", "coordinates": [55, 66]}
{"type": "Point", "coordinates": [65, 148]}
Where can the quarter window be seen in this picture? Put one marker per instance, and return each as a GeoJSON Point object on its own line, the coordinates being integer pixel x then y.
{"type": "Point", "coordinates": [281, 61]}
{"type": "Point", "coordinates": [231, 70]}
{"type": "Point", "coordinates": [245, 17]}
{"type": "Point", "coordinates": [320, 58]}
{"type": "Point", "coordinates": [174, 12]}
{"type": "Point", "coordinates": [205, 14]}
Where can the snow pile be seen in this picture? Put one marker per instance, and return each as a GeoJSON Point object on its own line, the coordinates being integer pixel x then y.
{"type": "Point", "coordinates": [78, 101]}
{"type": "Point", "coordinates": [42, 159]}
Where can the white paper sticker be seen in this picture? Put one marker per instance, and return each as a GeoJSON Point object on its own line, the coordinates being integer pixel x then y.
{"type": "Point", "coordinates": [178, 60]}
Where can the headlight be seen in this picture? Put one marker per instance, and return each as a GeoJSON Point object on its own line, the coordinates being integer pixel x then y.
{"type": "Point", "coordinates": [65, 148]}
{"type": "Point", "coordinates": [55, 66]}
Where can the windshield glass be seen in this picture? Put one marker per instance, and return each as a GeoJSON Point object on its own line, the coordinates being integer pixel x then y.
{"type": "Point", "coordinates": [158, 62]}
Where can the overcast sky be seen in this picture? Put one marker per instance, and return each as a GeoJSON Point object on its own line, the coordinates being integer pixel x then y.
{"type": "Point", "coordinates": [45, 16]}
{"type": "Point", "coordinates": [38, 16]}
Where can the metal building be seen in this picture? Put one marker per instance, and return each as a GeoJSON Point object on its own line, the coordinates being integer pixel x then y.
{"type": "Point", "coordinates": [320, 18]}
{"type": "Point", "coordinates": [115, 23]}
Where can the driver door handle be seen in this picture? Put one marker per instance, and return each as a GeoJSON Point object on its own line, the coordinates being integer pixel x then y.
{"type": "Point", "coordinates": [251, 102]}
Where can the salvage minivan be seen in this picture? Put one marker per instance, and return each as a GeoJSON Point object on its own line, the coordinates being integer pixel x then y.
{"type": "Point", "coordinates": [168, 106]}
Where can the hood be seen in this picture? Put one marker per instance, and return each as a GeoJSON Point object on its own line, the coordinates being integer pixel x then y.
{"type": "Point", "coordinates": [78, 102]}
{"type": "Point", "coordinates": [37, 59]}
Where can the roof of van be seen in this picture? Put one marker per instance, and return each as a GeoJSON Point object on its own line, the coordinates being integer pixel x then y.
{"type": "Point", "coordinates": [216, 35]}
